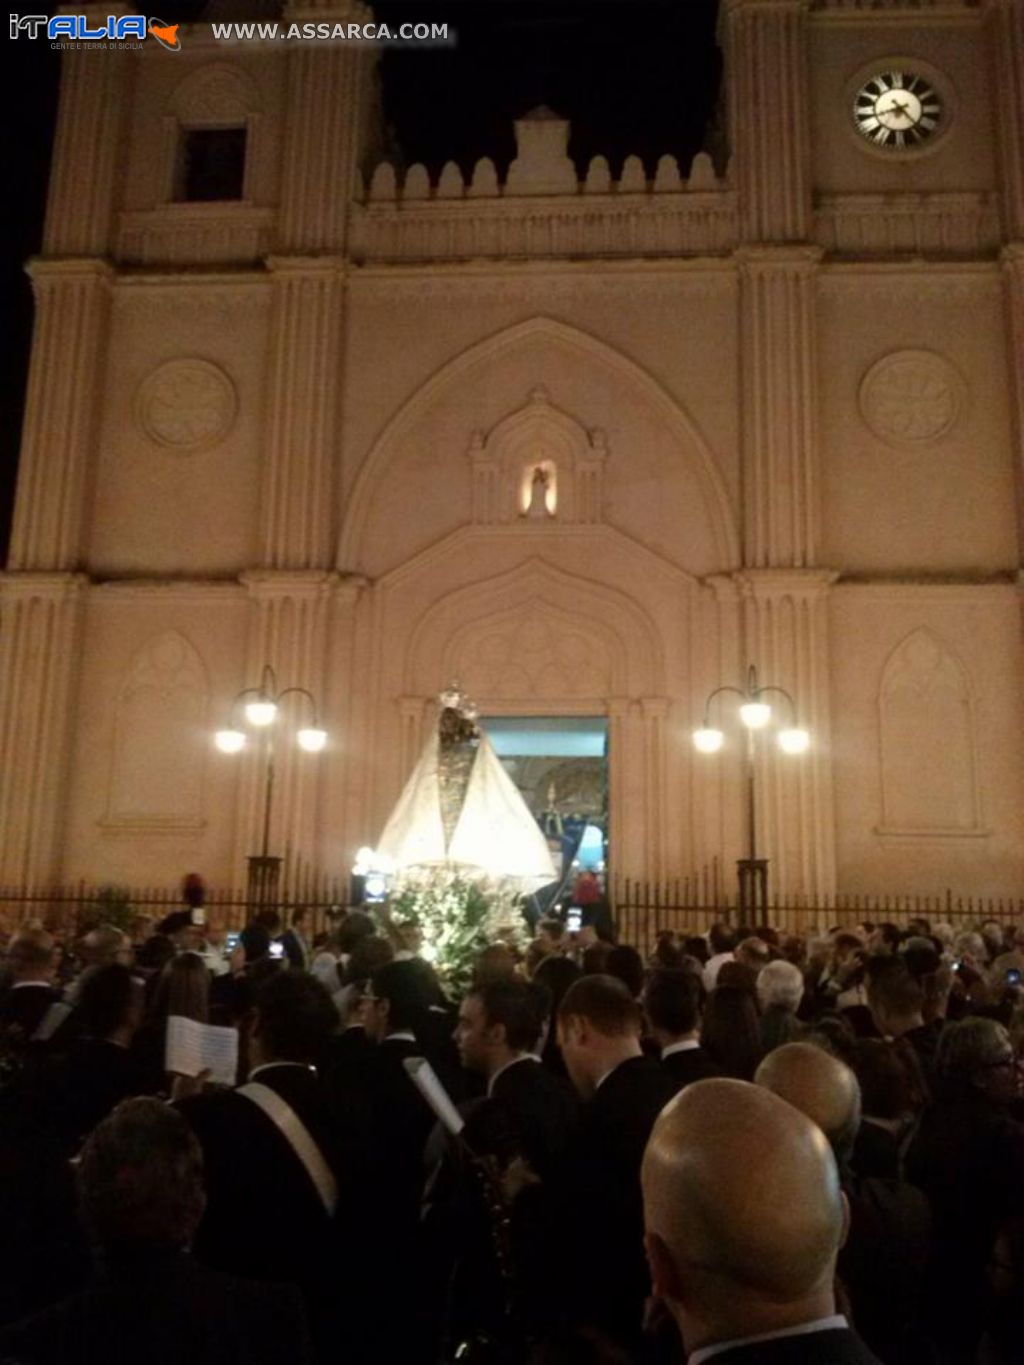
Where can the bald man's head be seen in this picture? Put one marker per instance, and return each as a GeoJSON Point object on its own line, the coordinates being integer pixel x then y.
{"type": "Point", "coordinates": [743, 1210]}
{"type": "Point", "coordinates": [820, 1086]}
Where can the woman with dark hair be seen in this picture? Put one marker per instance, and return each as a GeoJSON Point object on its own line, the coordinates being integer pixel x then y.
{"type": "Point", "coordinates": [730, 1033]}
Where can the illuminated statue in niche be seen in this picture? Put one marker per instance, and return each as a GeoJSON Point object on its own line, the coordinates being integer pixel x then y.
{"type": "Point", "coordinates": [542, 495]}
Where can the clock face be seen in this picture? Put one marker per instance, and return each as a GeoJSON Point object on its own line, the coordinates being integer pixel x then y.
{"type": "Point", "coordinates": [896, 110]}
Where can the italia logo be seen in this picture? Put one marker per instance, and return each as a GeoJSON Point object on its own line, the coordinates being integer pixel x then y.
{"type": "Point", "coordinates": [165, 34]}
{"type": "Point", "coordinates": [78, 28]}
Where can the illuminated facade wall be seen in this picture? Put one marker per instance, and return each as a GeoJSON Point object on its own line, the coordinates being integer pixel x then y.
{"type": "Point", "coordinates": [776, 406]}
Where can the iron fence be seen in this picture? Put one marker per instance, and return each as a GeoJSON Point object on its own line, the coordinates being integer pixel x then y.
{"type": "Point", "coordinates": [641, 908]}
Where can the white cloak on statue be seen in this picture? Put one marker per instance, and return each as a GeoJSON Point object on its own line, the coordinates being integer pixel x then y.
{"type": "Point", "coordinates": [496, 834]}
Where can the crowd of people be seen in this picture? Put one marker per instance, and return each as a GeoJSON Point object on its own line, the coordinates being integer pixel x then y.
{"type": "Point", "coordinates": [751, 1146]}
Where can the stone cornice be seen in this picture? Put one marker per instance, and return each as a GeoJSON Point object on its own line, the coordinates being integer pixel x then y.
{"type": "Point", "coordinates": [765, 584]}
{"type": "Point", "coordinates": [43, 269]}
{"type": "Point", "coordinates": [187, 589]}
{"type": "Point", "coordinates": [327, 266]}
{"type": "Point", "coordinates": [780, 257]}
{"type": "Point", "coordinates": [27, 583]}
{"type": "Point", "coordinates": [896, 12]}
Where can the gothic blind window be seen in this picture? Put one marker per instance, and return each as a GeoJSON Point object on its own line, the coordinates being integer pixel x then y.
{"type": "Point", "coordinates": [211, 164]}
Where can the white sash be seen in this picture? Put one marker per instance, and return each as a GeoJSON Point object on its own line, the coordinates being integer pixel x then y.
{"type": "Point", "coordinates": [51, 1022]}
{"type": "Point", "coordinates": [299, 1138]}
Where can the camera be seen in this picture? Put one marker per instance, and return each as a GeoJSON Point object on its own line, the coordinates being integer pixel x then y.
{"type": "Point", "coordinates": [1013, 976]}
{"type": "Point", "coordinates": [231, 942]}
{"type": "Point", "coordinates": [574, 919]}
{"type": "Point", "coordinates": [277, 950]}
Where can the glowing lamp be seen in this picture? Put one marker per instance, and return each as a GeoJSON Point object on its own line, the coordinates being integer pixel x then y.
{"type": "Point", "coordinates": [755, 715]}
{"type": "Point", "coordinates": [260, 712]}
{"type": "Point", "coordinates": [707, 740]}
{"type": "Point", "coordinates": [229, 741]}
{"type": "Point", "coordinates": [312, 739]}
{"type": "Point", "coordinates": [794, 741]}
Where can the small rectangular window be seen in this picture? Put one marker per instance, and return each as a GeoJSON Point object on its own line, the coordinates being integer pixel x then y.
{"type": "Point", "coordinates": [211, 164]}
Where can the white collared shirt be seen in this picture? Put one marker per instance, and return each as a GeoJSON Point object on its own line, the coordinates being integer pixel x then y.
{"type": "Point", "coordinates": [17, 985]}
{"type": "Point", "coordinates": [265, 1066]}
{"type": "Point", "coordinates": [523, 1057]}
{"type": "Point", "coordinates": [687, 1045]}
{"type": "Point", "coordinates": [406, 1034]}
{"type": "Point", "coordinates": [830, 1324]}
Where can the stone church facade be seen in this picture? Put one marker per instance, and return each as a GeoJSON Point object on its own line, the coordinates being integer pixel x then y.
{"type": "Point", "coordinates": [777, 404]}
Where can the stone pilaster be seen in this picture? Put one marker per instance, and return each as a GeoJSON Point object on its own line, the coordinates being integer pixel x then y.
{"type": "Point", "coordinates": [289, 630]}
{"type": "Point", "coordinates": [61, 412]}
{"type": "Point", "coordinates": [766, 74]}
{"type": "Point", "coordinates": [654, 711]}
{"type": "Point", "coordinates": [778, 362]}
{"type": "Point", "coordinates": [1013, 286]}
{"type": "Point", "coordinates": [88, 150]}
{"type": "Point", "coordinates": [785, 628]}
{"type": "Point", "coordinates": [1006, 44]}
{"type": "Point", "coordinates": [305, 382]}
{"type": "Point", "coordinates": [40, 627]}
{"type": "Point", "coordinates": [328, 90]}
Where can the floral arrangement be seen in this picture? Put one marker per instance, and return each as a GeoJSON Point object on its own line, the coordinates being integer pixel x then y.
{"type": "Point", "coordinates": [459, 915]}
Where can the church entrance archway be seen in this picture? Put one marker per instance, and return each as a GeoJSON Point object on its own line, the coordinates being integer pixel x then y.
{"type": "Point", "coordinates": [560, 767]}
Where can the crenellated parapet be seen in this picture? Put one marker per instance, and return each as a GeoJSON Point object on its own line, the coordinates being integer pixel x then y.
{"type": "Point", "coordinates": [543, 208]}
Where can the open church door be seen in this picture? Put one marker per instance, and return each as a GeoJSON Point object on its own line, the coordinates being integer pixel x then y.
{"type": "Point", "coordinates": [560, 766]}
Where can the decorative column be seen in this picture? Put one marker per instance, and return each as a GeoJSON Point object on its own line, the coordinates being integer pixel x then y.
{"type": "Point", "coordinates": [766, 70]}
{"type": "Point", "coordinates": [297, 518]}
{"type": "Point", "coordinates": [655, 711]}
{"type": "Point", "coordinates": [61, 412]}
{"type": "Point", "coordinates": [785, 625]}
{"type": "Point", "coordinates": [1006, 48]}
{"type": "Point", "coordinates": [1006, 45]}
{"type": "Point", "coordinates": [288, 630]}
{"type": "Point", "coordinates": [40, 629]}
{"type": "Point", "coordinates": [1013, 288]}
{"type": "Point", "coordinates": [88, 149]}
{"type": "Point", "coordinates": [42, 595]}
{"type": "Point", "coordinates": [328, 92]}
{"type": "Point", "coordinates": [778, 361]}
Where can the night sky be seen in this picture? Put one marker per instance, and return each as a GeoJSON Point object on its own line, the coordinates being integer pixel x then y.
{"type": "Point", "coordinates": [634, 76]}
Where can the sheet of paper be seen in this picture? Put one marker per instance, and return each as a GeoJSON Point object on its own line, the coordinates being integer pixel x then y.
{"type": "Point", "coordinates": [193, 1047]}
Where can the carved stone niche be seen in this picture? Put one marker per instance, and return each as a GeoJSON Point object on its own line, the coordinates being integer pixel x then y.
{"type": "Point", "coordinates": [538, 466]}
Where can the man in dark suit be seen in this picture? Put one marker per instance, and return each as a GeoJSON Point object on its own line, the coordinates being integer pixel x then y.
{"type": "Point", "coordinates": [30, 991]}
{"type": "Point", "coordinates": [882, 1262]}
{"type": "Point", "coordinates": [747, 1283]}
{"type": "Point", "coordinates": [141, 1196]}
{"type": "Point", "coordinates": [500, 1023]}
{"type": "Point", "coordinates": [295, 943]}
{"type": "Point", "coordinates": [396, 1010]}
{"type": "Point", "coordinates": [606, 1280]}
{"type": "Point", "coordinates": [672, 1004]}
{"type": "Point", "coordinates": [100, 1069]}
{"type": "Point", "coordinates": [522, 1128]}
{"type": "Point", "coordinates": [281, 1209]}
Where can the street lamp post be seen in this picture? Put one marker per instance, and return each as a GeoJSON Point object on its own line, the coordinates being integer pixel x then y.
{"type": "Point", "coordinates": [755, 713]}
{"type": "Point", "coordinates": [261, 707]}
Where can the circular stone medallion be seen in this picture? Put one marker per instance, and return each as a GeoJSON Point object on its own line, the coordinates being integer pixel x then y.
{"type": "Point", "coordinates": [911, 397]}
{"type": "Point", "coordinates": [186, 404]}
